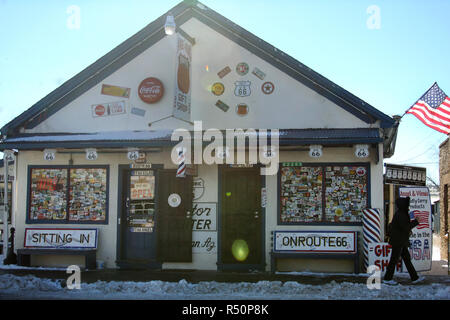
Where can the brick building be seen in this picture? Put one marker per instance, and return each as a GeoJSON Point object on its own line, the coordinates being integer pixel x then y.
{"type": "Point", "coordinates": [444, 177]}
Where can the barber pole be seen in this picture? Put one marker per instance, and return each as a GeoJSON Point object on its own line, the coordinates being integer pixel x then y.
{"type": "Point", "coordinates": [371, 231]}
{"type": "Point", "coordinates": [181, 172]}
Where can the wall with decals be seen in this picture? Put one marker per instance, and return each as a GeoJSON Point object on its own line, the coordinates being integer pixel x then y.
{"type": "Point", "coordinates": [216, 81]}
{"type": "Point", "coordinates": [205, 202]}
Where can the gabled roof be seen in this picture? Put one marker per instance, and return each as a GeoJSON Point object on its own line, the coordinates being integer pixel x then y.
{"type": "Point", "coordinates": [154, 32]}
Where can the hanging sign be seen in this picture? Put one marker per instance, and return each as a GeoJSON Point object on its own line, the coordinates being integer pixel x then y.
{"type": "Point", "coordinates": [421, 239]}
{"type": "Point", "coordinates": [115, 91]}
{"type": "Point", "coordinates": [405, 175]}
{"type": "Point", "coordinates": [182, 101]}
{"type": "Point", "coordinates": [151, 90]}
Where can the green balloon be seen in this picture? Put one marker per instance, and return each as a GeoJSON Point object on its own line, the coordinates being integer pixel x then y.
{"type": "Point", "coordinates": [240, 250]}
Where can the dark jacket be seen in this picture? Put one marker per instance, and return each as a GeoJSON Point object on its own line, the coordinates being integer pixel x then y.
{"type": "Point", "coordinates": [400, 227]}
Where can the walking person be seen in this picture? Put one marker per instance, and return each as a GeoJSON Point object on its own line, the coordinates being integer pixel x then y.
{"type": "Point", "coordinates": [398, 232]}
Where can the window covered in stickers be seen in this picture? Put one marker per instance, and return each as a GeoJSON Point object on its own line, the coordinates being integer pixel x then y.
{"type": "Point", "coordinates": [64, 194]}
{"type": "Point", "coordinates": [323, 193]}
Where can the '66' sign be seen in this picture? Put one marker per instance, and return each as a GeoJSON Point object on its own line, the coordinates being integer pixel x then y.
{"type": "Point", "coordinates": [242, 88]}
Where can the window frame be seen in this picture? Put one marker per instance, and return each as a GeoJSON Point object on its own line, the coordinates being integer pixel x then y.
{"type": "Point", "coordinates": [66, 221]}
{"type": "Point", "coordinates": [366, 165]}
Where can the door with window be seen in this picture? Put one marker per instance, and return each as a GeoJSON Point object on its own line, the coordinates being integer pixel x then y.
{"type": "Point", "coordinates": [139, 210]}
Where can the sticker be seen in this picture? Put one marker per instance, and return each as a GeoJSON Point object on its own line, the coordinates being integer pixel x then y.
{"type": "Point", "coordinates": [108, 109]}
{"type": "Point", "coordinates": [361, 171]}
{"type": "Point", "coordinates": [138, 111]}
{"type": "Point", "coordinates": [115, 91]}
{"type": "Point", "coordinates": [242, 88]}
{"type": "Point", "coordinates": [242, 109]}
{"type": "Point", "coordinates": [218, 88]}
{"type": "Point", "coordinates": [222, 73]}
{"type": "Point", "coordinates": [242, 68]}
{"type": "Point", "coordinates": [267, 87]}
{"type": "Point", "coordinates": [222, 106]}
{"type": "Point", "coordinates": [151, 90]}
{"type": "Point", "coordinates": [174, 200]}
{"type": "Point", "coordinates": [339, 212]}
{"type": "Point", "coordinates": [261, 75]}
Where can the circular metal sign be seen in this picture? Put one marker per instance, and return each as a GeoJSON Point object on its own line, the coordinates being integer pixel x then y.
{"type": "Point", "coordinates": [151, 90]}
{"type": "Point", "coordinates": [99, 110]}
{"type": "Point", "coordinates": [218, 88]}
{"type": "Point", "coordinates": [174, 200]}
{"type": "Point", "coordinates": [242, 69]}
{"type": "Point", "coordinates": [267, 87]}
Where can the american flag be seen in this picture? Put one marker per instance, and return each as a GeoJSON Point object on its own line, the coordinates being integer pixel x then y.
{"type": "Point", "coordinates": [423, 217]}
{"type": "Point", "coordinates": [433, 109]}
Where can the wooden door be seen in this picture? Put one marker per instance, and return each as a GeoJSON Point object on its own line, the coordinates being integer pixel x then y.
{"type": "Point", "coordinates": [241, 214]}
{"type": "Point", "coordinates": [174, 220]}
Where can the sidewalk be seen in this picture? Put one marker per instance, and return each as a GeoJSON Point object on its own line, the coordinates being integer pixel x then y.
{"type": "Point", "coordinates": [438, 274]}
{"type": "Point", "coordinates": [195, 276]}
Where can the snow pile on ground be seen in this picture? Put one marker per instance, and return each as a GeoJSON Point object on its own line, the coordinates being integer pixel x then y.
{"type": "Point", "coordinates": [30, 287]}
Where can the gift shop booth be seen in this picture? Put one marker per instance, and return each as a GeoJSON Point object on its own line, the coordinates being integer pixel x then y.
{"type": "Point", "coordinates": [131, 164]}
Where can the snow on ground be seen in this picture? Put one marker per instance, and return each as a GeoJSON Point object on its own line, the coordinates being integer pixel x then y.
{"type": "Point", "coordinates": [31, 287]}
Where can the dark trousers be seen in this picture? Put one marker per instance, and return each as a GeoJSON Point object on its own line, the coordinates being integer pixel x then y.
{"type": "Point", "coordinates": [398, 252]}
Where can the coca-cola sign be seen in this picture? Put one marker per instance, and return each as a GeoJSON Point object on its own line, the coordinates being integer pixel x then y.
{"type": "Point", "coordinates": [151, 90]}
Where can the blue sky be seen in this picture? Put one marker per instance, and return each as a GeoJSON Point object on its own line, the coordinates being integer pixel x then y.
{"type": "Point", "coordinates": [389, 67]}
